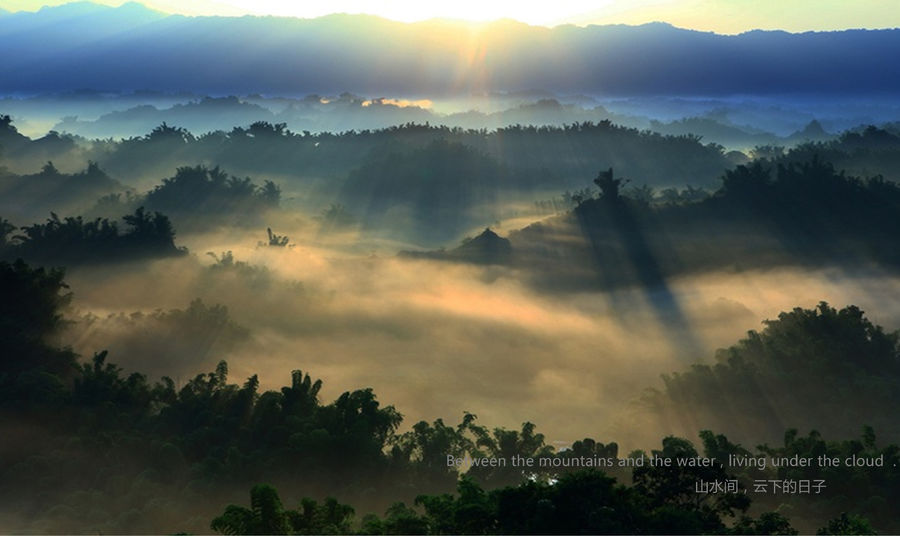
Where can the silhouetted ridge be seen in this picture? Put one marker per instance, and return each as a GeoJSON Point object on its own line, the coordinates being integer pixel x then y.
{"type": "Point", "coordinates": [377, 56]}
{"type": "Point", "coordinates": [488, 248]}
{"type": "Point", "coordinates": [812, 132]}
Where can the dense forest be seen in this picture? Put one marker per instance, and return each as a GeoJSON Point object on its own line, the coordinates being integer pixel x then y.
{"type": "Point", "coordinates": [75, 241]}
{"type": "Point", "coordinates": [114, 452]}
{"type": "Point", "coordinates": [427, 184]}
{"type": "Point", "coordinates": [766, 213]}
{"type": "Point", "coordinates": [543, 155]}
{"type": "Point", "coordinates": [198, 197]}
{"type": "Point", "coordinates": [324, 260]}
{"type": "Point", "coordinates": [49, 190]}
{"type": "Point", "coordinates": [279, 269]}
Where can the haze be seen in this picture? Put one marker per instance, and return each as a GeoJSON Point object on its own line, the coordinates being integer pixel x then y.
{"type": "Point", "coordinates": [724, 17]}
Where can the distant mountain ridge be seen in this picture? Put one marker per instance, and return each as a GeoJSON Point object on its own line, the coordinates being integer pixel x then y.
{"type": "Point", "coordinates": [85, 45]}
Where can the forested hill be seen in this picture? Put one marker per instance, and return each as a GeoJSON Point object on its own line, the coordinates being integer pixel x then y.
{"type": "Point", "coordinates": [545, 156]}
{"type": "Point", "coordinates": [765, 214]}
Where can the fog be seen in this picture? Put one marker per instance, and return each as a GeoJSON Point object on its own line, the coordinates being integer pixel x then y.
{"type": "Point", "coordinates": [436, 339]}
{"type": "Point", "coordinates": [623, 233]}
{"type": "Point", "coordinates": [738, 122]}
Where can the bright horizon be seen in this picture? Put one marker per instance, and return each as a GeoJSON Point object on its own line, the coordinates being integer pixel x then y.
{"type": "Point", "coordinates": [720, 16]}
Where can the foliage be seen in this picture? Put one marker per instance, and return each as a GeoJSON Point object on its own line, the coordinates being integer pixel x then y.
{"type": "Point", "coordinates": [73, 240]}
{"type": "Point", "coordinates": [6, 229]}
{"type": "Point", "coordinates": [609, 187]}
{"type": "Point", "coordinates": [117, 443]}
{"type": "Point", "coordinates": [847, 524]}
{"type": "Point", "coordinates": [689, 194]}
{"type": "Point", "coordinates": [584, 502]}
{"type": "Point", "coordinates": [674, 487]}
{"type": "Point", "coordinates": [30, 313]}
{"type": "Point", "coordinates": [266, 515]}
{"type": "Point", "coordinates": [865, 491]}
{"type": "Point", "coordinates": [51, 190]}
{"type": "Point", "coordinates": [500, 443]}
{"type": "Point", "coordinates": [764, 215]}
{"type": "Point", "coordinates": [855, 365]}
{"type": "Point", "coordinates": [525, 149]}
{"type": "Point", "coordinates": [275, 240]}
{"type": "Point", "coordinates": [161, 341]}
{"type": "Point", "coordinates": [199, 195]}
{"type": "Point", "coordinates": [866, 150]}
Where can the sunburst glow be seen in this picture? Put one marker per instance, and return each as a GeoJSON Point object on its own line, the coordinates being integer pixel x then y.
{"type": "Point", "coordinates": [721, 16]}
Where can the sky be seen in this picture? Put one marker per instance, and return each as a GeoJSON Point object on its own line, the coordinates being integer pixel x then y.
{"type": "Point", "coordinates": [721, 16]}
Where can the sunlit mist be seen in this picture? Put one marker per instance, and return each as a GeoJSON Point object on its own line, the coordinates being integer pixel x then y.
{"type": "Point", "coordinates": [727, 17]}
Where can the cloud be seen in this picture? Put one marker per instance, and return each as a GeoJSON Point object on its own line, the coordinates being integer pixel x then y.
{"type": "Point", "coordinates": [437, 339]}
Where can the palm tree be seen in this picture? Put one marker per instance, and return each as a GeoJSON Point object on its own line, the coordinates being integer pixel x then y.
{"type": "Point", "coordinates": [609, 186]}
{"type": "Point", "coordinates": [266, 515]}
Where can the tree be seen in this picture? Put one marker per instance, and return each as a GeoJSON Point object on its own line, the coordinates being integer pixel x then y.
{"type": "Point", "coordinates": [766, 523]}
{"type": "Point", "coordinates": [401, 519]}
{"type": "Point", "coordinates": [31, 311]}
{"type": "Point", "coordinates": [265, 515]}
{"type": "Point", "coordinates": [270, 193]}
{"type": "Point", "coordinates": [155, 230]}
{"type": "Point", "coordinates": [673, 485]}
{"type": "Point", "coordinates": [609, 187]}
{"type": "Point", "coordinates": [276, 240]}
{"type": "Point", "coordinates": [302, 397]}
{"type": "Point", "coordinates": [748, 183]}
{"type": "Point", "coordinates": [423, 452]}
{"type": "Point", "coordinates": [331, 517]}
{"type": "Point", "coordinates": [49, 170]}
{"type": "Point", "coordinates": [5, 229]}
{"type": "Point", "coordinates": [643, 194]}
{"type": "Point", "coordinates": [847, 524]}
{"type": "Point", "coordinates": [758, 375]}
{"type": "Point", "coordinates": [501, 443]}
{"type": "Point", "coordinates": [165, 133]}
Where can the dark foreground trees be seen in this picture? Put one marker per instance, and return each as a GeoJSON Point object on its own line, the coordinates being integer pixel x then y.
{"type": "Point", "coordinates": [266, 515]}
{"type": "Point", "coordinates": [585, 502]}
{"type": "Point", "coordinates": [74, 240]}
{"type": "Point", "coordinates": [835, 357]}
{"type": "Point", "coordinates": [31, 371]}
{"type": "Point", "coordinates": [88, 447]}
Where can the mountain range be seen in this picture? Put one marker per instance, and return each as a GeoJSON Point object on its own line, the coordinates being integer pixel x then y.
{"type": "Point", "coordinates": [131, 47]}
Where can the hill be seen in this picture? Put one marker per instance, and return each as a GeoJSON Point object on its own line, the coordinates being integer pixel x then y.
{"type": "Point", "coordinates": [132, 47]}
